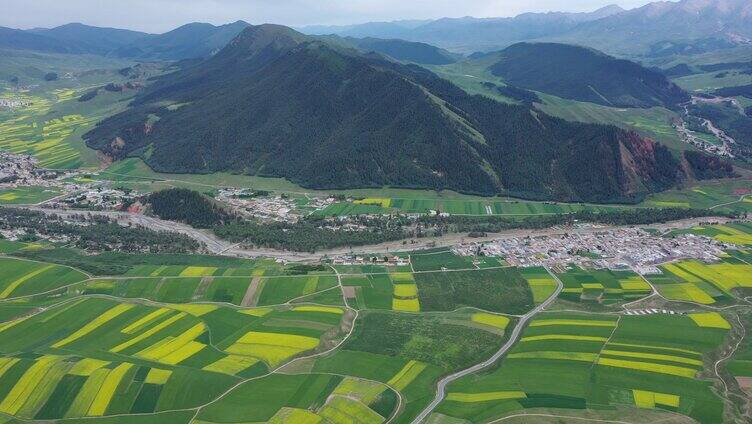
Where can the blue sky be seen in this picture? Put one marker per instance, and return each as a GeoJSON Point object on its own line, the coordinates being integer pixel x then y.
{"type": "Point", "coordinates": [163, 15]}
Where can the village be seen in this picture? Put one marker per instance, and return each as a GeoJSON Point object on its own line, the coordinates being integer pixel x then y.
{"type": "Point", "coordinates": [621, 248]}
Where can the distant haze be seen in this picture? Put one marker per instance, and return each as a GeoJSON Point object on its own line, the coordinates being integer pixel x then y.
{"type": "Point", "coordinates": [162, 15]}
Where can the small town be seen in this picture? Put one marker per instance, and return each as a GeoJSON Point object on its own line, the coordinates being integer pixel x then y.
{"type": "Point", "coordinates": [622, 248]}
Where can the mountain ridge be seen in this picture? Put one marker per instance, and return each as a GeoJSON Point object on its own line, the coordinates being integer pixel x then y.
{"type": "Point", "coordinates": [275, 102]}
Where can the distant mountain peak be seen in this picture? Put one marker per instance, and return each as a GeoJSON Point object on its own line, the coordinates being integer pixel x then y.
{"type": "Point", "coordinates": [611, 9]}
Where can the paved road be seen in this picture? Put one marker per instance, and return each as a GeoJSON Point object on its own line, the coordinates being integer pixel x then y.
{"type": "Point", "coordinates": [441, 388]}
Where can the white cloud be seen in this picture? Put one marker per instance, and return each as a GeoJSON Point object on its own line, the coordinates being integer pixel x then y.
{"type": "Point", "coordinates": [163, 15]}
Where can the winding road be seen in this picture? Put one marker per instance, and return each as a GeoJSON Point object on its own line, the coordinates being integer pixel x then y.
{"type": "Point", "coordinates": [444, 382]}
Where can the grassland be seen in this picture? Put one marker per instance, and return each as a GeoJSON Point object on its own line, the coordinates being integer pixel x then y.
{"type": "Point", "coordinates": [711, 81]}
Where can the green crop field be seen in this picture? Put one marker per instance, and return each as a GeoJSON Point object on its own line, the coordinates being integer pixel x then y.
{"type": "Point", "coordinates": [706, 284]}
{"type": "Point", "coordinates": [27, 195]}
{"type": "Point", "coordinates": [232, 340]}
{"type": "Point", "coordinates": [51, 126]}
{"type": "Point", "coordinates": [724, 195]}
{"type": "Point", "coordinates": [22, 278]}
{"type": "Point", "coordinates": [597, 362]}
{"type": "Point", "coordinates": [737, 233]}
{"type": "Point", "coordinates": [140, 341]}
{"type": "Point", "coordinates": [602, 286]}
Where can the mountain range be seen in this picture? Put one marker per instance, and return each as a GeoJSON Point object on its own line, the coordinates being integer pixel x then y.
{"type": "Point", "coordinates": [195, 40]}
{"type": "Point", "coordinates": [640, 31]}
{"type": "Point", "coordinates": [275, 102]}
{"type": "Point", "coordinates": [656, 29]}
{"type": "Point", "coordinates": [470, 34]}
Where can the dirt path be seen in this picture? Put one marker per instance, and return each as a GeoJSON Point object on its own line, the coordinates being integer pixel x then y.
{"type": "Point", "coordinates": [250, 294]}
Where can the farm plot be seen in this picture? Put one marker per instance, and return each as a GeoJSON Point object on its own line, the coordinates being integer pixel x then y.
{"type": "Point", "coordinates": [697, 282]}
{"type": "Point", "coordinates": [372, 291]}
{"type": "Point", "coordinates": [541, 283]}
{"type": "Point", "coordinates": [278, 290]}
{"type": "Point", "coordinates": [598, 361]}
{"type": "Point", "coordinates": [602, 286]}
{"type": "Point", "coordinates": [439, 260]}
{"type": "Point", "coordinates": [208, 337]}
{"type": "Point", "coordinates": [739, 233]}
{"type": "Point", "coordinates": [22, 278]}
{"type": "Point", "coordinates": [311, 398]}
{"type": "Point", "coordinates": [240, 291]}
{"type": "Point", "coordinates": [47, 140]}
{"type": "Point", "coordinates": [275, 336]}
{"type": "Point", "coordinates": [29, 195]}
{"type": "Point", "coordinates": [502, 290]}
{"type": "Point", "coordinates": [405, 296]}
{"type": "Point", "coordinates": [53, 387]}
{"type": "Point", "coordinates": [401, 351]}
{"type": "Point", "coordinates": [50, 128]}
{"type": "Point", "coordinates": [479, 207]}
{"type": "Point", "coordinates": [741, 364]}
{"type": "Point", "coordinates": [355, 208]}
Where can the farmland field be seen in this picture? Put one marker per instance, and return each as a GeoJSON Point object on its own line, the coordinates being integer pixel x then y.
{"type": "Point", "coordinates": [602, 286]}
{"type": "Point", "coordinates": [27, 195]}
{"type": "Point", "coordinates": [706, 284]}
{"type": "Point", "coordinates": [173, 333]}
{"type": "Point", "coordinates": [738, 233]}
{"type": "Point", "coordinates": [81, 346]}
{"type": "Point", "coordinates": [599, 362]}
{"type": "Point", "coordinates": [51, 125]}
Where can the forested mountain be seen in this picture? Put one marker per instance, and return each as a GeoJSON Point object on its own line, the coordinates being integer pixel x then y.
{"type": "Point", "coordinates": [186, 42]}
{"type": "Point", "coordinates": [584, 74]}
{"type": "Point", "coordinates": [277, 103]}
{"type": "Point", "coordinates": [196, 40]}
{"type": "Point", "coordinates": [406, 51]}
{"type": "Point", "coordinates": [17, 39]}
{"type": "Point", "coordinates": [94, 40]}
{"type": "Point", "coordinates": [69, 39]}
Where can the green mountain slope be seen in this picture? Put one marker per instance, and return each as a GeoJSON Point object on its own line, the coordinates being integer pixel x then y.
{"type": "Point", "coordinates": [583, 74]}
{"type": "Point", "coordinates": [276, 103]}
{"type": "Point", "coordinates": [406, 51]}
{"type": "Point", "coordinates": [188, 41]}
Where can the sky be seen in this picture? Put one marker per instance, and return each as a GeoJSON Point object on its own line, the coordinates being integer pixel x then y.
{"type": "Point", "coordinates": [158, 16]}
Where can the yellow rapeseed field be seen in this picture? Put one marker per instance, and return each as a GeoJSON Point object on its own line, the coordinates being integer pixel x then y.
{"type": "Point", "coordinates": [493, 320]}
{"type": "Point", "coordinates": [406, 305]}
{"type": "Point", "coordinates": [484, 396]}
{"type": "Point", "coordinates": [405, 290]}
{"type": "Point", "coordinates": [710, 320]}
{"type": "Point", "coordinates": [107, 391]}
{"type": "Point", "coordinates": [574, 322]}
{"type": "Point", "coordinates": [648, 366]}
{"type": "Point", "coordinates": [313, 308]}
{"type": "Point", "coordinates": [407, 374]}
{"type": "Point", "coordinates": [94, 324]}
{"type": "Point", "coordinates": [231, 364]}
